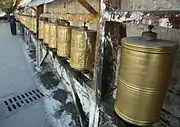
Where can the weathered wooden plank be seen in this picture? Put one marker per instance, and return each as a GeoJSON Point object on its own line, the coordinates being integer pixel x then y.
{"type": "Point", "coordinates": [88, 7]}
{"type": "Point", "coordinates": [73, 17]}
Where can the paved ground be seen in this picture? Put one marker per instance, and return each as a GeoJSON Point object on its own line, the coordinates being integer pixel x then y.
{"type": "Point", "coordinates": [17, 76]}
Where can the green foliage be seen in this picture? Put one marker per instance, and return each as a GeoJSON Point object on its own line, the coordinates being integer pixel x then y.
{"type": "Point", "coordinates": [7, 6]}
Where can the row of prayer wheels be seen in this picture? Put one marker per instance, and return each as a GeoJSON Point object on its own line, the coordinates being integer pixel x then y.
{"type": "Point", "coordinates": [29, 22]}
{"type": "Point", "coordinates": [76, 44]}
{"type": "Point", "coordinates": [145, 67]}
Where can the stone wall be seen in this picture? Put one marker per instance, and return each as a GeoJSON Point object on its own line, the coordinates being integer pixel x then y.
{"type": "Point", "coordinates": [150, 4]}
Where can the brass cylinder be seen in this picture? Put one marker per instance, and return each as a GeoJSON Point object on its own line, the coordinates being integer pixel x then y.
{"type": "Point", "coordinates": [82, 49]}
{"type": "Point", "coordinates": [34, 25]}
{"type": "Point", "coordinates": [27, 22]}
{"type": "Point", "coordinates": [46, 33]}
{"type": "Point", "coordinates": [53, 35]}
{"type": "Point", "coordinates": [64, 41]}
{"type": "Point", "coordinates": [145, 70]}
{"type": "Point", "coordinates": [31, 24]}
{"type": "Point", "coordinates": [41, 29]}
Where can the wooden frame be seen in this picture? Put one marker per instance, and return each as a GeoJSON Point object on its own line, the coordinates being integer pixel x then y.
{"type": "Point", "coordinates": [88, 18]}
{"type": "Point", "coordinates": [88, 7]}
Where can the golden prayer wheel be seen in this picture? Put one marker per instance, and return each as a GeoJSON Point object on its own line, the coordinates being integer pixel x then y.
{"type": "Point", "coordinates": [82, 48]}
{"type": "Point", "coordinates": [46, 33]}
{"type": "Point", "coordinates": [34, 24]}
{"type": "Point", "coordinates": [27, 22]}
{"type": "Point", "coordinates": [145, 70]}
{"type": "Point", "coordinates": [41, 29]}
{"type": "Point", "coordinates": [31, 24]}
{"type": "Point", "coordinates": [53, 35]}
{"type": "Point", "coordinates": [64, 41]}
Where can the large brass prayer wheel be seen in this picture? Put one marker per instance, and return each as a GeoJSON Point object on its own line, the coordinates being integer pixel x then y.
{"type": "Point", "coordinates": [41, 29]}
{"type": "Point", "coordinates": [53, 35]}
{"type": "Point", "coordinates": [46, 33]}
{"type": "Point", "coordinates": [64, 41]}
{"type": "Point", "coordinates": [145, 70]}
{"type": "Point", "coordinates": [82, 49]}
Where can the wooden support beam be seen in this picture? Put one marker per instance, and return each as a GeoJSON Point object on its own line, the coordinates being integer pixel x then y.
{"type": "Point", "coordinates": [40, 9]}
{"type": "Point", "coordinates": [17, 2]}
{"type": "Point", "coordinates": [34, 8]}
{"type": "Point", "coordinates": [88, 7]}
{"type": "Point", "coordinates": [88, 18]}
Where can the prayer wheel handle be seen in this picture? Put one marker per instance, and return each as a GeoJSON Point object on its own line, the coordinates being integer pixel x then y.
{"type": "Point", "coordinates": [149, 35]}
{"type": "Point", "coordinates": [67, 23]}
{"type": "Point", "coordinates": [84, 27]}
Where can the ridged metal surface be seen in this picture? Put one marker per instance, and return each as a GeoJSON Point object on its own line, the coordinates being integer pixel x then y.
{"type": "Point", "coordinates": [53, 35]}
{"type": "Point", "coordinates": [64, 41]}
{"type": "Point", "coordinates": [46, 33]}
{"type": "Point", "coordinates": [34, 25]}
{"type": "Point", "coordinates": [41, 29]}
{"type": "Point", "coordinates": [31, 28]}
{"type": "Point", "coordinates": [82, 49]}
{"type": "Point", "coordinates": [145, 70]}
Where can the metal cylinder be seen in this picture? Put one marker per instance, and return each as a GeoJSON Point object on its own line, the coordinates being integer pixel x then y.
{"type": "Point", "coordinates": [27, 22]}
{"type": "Point", "coordinates": [46, 33]}
{"type": "Point", "coordinates": [53, 35]}
{"type": "Point", "coordinates": [82, 49]}
{"type": "Point", "coordinates": [34, 25]}
{"type": "Point", "coordinates": [31, 24]}
{"type": "Point", "coordinates": [145, 70]}
{"type": "Point", "coordinates": [64, 41]}
{"type": "Point", "coordinates": [41, 29]}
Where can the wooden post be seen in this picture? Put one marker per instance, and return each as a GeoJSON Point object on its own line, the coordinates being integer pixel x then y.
{"type": "Point", "coordinates": [17, 2]}
{"type": "Point", "coordinates": [38, 50]}
{"type": "Point", "coordinates": [94, 109]}
{"type": "Point", "coordinates": [39, 12]}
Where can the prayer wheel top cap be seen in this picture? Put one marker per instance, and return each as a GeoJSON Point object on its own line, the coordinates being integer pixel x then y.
{"type": "Point", "coordinates": [149, 35]}
{"type": "Point", "coordinates": [148, 42]}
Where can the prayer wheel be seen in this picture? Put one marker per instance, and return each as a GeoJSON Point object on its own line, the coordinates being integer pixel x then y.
{"type": "Point", "coordinates": [82, 48]}
{"type": "Point", "coordinates": [24, 20]}
{"type": "Point", "coordinates": [53, 35]}
{"type": "Point", "coordinates": [64, 41]}
{"type": "Point", "coordinates": [27, 22]}
{"type": "Point", "coordinates": [34, 25]}
{"type": "Point", "coordinates": [41, 29]}
{"type": "Point", "coordinates": [46, 33]}
{"type": "Point", "coordinates": [145, 69]}
{"type": "Point", "coordinates": [31, 24]}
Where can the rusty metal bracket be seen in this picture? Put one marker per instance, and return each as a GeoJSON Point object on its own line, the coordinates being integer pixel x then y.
{"type": "Point", "coordinates": [88, 7]}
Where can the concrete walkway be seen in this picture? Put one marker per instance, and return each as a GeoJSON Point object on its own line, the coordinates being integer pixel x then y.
{"type": "Point", "coordinates": [16, 77]}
